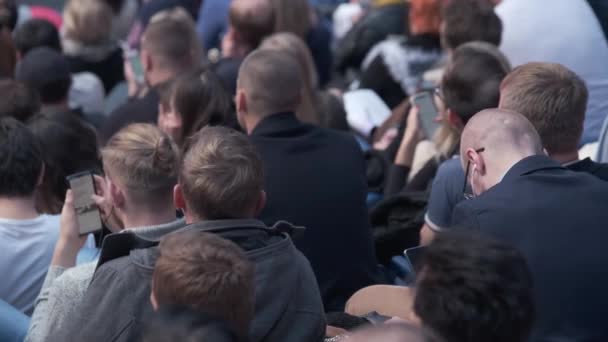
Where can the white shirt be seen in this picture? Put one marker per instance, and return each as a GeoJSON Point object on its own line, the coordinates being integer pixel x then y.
{"type": "Point", "coordinates": [26, 251]}
{"type": "Point", "coordinates": [565, 32]}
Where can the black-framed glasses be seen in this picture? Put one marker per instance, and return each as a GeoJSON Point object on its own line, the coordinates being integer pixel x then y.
{"type": "Point", "coordinates": [467, 189]}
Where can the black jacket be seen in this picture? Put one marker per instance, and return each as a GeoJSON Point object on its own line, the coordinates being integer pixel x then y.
{"type": "Point", "coordinates": [558, 219]}
{"type": "Point", "coordinates": [140, 110]}
{"type": "Point", "coordinates": [288, 303]}
{"type": "Point", "coordinates": [315, 178]}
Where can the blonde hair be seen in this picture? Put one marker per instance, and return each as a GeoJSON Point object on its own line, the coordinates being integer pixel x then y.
{"type": "Point", "coordinates": [293, 16]}
{"type": "Point", "coordinates": [143, 160]}
{"type": "Point", "coordinates": [88, 22]}
{"type": "Point", "coordinates": [289, 43]}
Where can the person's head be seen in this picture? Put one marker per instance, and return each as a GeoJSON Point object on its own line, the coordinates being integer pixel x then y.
{"type": "Point", "coordinates": [88, 22]}
{"type": "Point", "coordinates": [425, 16]}
{"type": "Point", "coordinates": [250, 22]}
{"type": "Point", "coordinates": [18, 100]}
{"type": "Point", "coordinates": [69, 145]}
{"type": "Point", "coordinates": [293, 16]}
{"type": "Point", "coordinates": [393, 332]}
{"type": "Point", "coordinates": [466, 21]}
{"type": "Point", "coordinates": [181, 323]}
{"type": "Point", "coordinates": [8, 56]}
{"type": "Point", "coordinates": [194, 100]}
{"type": "Point", "coordinates": [471, 82]}
{"type": "Point", "coordinates": [207, 273]}
{"type": "Point", "coordinates": [553, 98]}
{"type": "Point", "coordinates": [48, 72]}
{"type": "Point", "coordinates": [474, 288]}
{"type": "Point", "coordinates": [269, 82]}
{"type": "Point", "coordinates": [141, 165]}
{"type": "Point", "coordinates": [36, 33]}
{"type": "Point", "coordinates": [168, 48]}
{"type": "Point", "coordinates": [492, 142]}
{"type": "Point", "coordinates": [291, 44]}
{"type": "Point", "coordinates": [22, 163]}
{"type": "Point", "coordinates": [9, 15]}
{"type": "Point", "coordinates": [221, 177]}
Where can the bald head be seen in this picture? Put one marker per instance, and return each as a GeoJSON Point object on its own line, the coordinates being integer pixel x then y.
{"type": "Point", "coordinates": [271, 83]}
{"type": "Point", "coordinates": [253, 20]}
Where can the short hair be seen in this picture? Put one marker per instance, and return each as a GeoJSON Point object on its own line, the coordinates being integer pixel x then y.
{"type": "Point", "coordinates": [253, 20]}
{"type": "Point", "coordinates": [18, 100]}
{"type": "Point", "coordinates": [271, 81]}
{"type": "Point", "coordinates": [466, 21]}
{"type": "Point", "coordinates": [200, 99]}
{"type": "Point", "coordinates": [47, 71]}
{"type": "Point", "coordinates": [292, 16]}
{"type": "Point", "coordinates": [553, 98]}
{"type": "Point", "coordinates": [474, 288]}
{"type": "Point", "coordinates": [9, 14]}
{"type": "Point", "coordinates": [36, 33]}
{"type": "Point", "coordinates": [8, 56]}
{"type": "Point", "coordinates": [69, 146]}
{"type": "Point", "coordinates": [172, 43]}
{"type": "Point", "coordinates": [145, 161]}
{"type": "Point", "coordinates": [472, 79]}
{"type": "Point", "coordinates": [222, 174]}
{"type": "Point", "coordinates": [181, 323]}
{"type": "Point", "coordinates": [21, 157]}
{"type": "Point", "coordinates": [88, 22]}
{"type": "Point", "coordinates": [207, 273]}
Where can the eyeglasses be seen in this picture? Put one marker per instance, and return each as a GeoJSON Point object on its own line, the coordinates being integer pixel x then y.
{"type": "Point", "coordinates": [467, 189]}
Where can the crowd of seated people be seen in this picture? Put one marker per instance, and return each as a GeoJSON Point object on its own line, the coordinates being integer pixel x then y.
{"type": "Point", "coordinates": [303, 170]}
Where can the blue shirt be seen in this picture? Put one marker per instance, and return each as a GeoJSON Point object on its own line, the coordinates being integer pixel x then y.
{"type": "Point", "coordinates": [212, 22]}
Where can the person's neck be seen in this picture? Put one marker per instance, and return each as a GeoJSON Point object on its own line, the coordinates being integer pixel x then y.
{"type": "Point", "coordinates": [147, 218]}
{"type": "Point", "coordinates": [18, 208]}
{"type": "Point", "coordinates": [160, 76]}
{"type": "Point", "coordinates": [565, 158]}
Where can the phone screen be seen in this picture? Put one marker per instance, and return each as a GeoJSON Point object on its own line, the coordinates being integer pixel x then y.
{"type": "Point", "coordinates": [138, 70]}
{"type": "Point", "coordinates": [428, 112]}
{"type": "Point", "coordinates": [414, 256]}
{"type": "Point", "coordinates": [83, 188]}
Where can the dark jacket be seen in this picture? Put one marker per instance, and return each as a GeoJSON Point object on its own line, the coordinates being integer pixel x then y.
{"type": "Point", "coordinates": [315, 178]}
{"type": "Point", "coordinates": [375, 26]}
{"type": "Point", "coordinates": [109, 69]}
{"type": "Point", "coordinates": [140, 110]}
{"type": "Point", "coordinates": [558, 220]}
{"type": "Point", "coordinates": [288, 304]}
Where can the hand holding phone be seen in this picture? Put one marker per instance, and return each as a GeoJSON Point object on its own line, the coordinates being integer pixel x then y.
{"type": "Point", "coordinates": [87, 214]}
{"type": "Point", "coordinates": [427, 111]}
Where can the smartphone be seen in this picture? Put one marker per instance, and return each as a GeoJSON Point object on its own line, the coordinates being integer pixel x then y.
{"type": "Point", "coordinates": [87, 214]}
{"type": "Point", "coordinates": [413, 256]}
{"type": "Point", "coordinates": [428, 112]}
{"type": "Point", "coordinates": [132, 57]}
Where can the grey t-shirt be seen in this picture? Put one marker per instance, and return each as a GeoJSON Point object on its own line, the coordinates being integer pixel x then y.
{"type": "Point", "coordinates": [446, 193]}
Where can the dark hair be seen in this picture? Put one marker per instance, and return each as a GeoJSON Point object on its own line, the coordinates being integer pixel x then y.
{"type": "Point", "coordinates": [466, 21]}
{"type": "Point", "coordinates": [472, 79]}
{"type": "Point", "coordinates": [200, 99]}
{"type": "Point", "coordinates": [69, 146]}
{"type": "Point", "coordinates": [207, 273]}
{"type": "Point", "coordinates": [36, 33]}
{"type": "Point", "coordinates": [178, 323]}
{"type": "Point", "coordinates": [254, 21]}
{"type": "Point", "coordinates": [173, 43]}
{"type": "Point", "coordinates": [474, 288]}
{"type": "Point", "coordinates": [553, 98]}
{"type": "Point", "coordinates": [21, 157]}
{"type": "Point", "coordinates": [9, 14]}
{"type": "Point", "coordinates": [8, 56]}
{"type": "Point", "coordinates": [18, 100]}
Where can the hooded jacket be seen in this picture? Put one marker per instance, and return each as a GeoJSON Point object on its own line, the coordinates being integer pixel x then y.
{"type": "Point", "coordinates": [288, 305]}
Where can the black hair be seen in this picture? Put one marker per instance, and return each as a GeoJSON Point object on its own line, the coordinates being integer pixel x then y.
{"type": "Point", "coordinates": [9, 14]}
{"type": "Point", "coordinates": [21, 158]}
{"type": "Point", "coordinates": [466, 21]}
{"type": "Point", "coordinates": [18, 100]}
{"type": "Point", "coordinates": [474, 288]}
{"type": "Point", "coordinates": [69, 146]}
{"type": "Point", "coordinates": [178, 323]}
{"type": "Point", "coordinates": [55, 92]}
{"type": "Point", "coordinates": [472, 79]}
{"type": "Point", "coordinates": [36, 33]}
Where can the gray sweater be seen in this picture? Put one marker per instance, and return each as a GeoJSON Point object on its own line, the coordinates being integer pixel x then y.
{"type": "Point", "coordinates": [63, 289]}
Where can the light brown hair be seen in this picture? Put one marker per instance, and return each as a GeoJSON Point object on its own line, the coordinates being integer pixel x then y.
{"type": "Point", "coordinates": [553, 98]}
{"type": "Point", "coordinates": [253, 20]}
{"type": "Point", "coordinates": [292, 16]}
{"type": "Point", "coordinates": [308, 110]}
{"type": "Point", "coordinates": [222, 175]}
{"type": "Point", "coordinates": [88, 21]}
{"type": "Point", "coordinates": [207, 273]}
{"type": "Point", "coordinates": [143, 160]}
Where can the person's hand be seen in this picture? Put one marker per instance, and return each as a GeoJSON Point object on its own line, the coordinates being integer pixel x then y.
{"type": "Point", "coordinates": [411, 137]}
{"type": "Point", "coordinates": [228, 45]}
{"type": "Point", "coordinates": [104, 204]}
{"type": "Point", "coordinates": [70, 241]}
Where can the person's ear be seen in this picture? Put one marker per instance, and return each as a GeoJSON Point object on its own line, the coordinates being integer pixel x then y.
{"type": "Point", "coordinates": [116, 195]}
{"type": "Point", "coordinates": [241, 102]}
{"type": "Point", "coordinates": [261, 203]}
{"type": "Point", "coordinates": [477, 162]}
{"type": "Point", "coordinates": [454, 119]}
{"type": "Point", "coordinates": [146, 61]}
{"type": "Point", "coordinates": [178, 198]}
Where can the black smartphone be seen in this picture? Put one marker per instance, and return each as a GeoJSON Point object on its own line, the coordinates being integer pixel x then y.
{"type": "Point", "coordinates": [87, 213]}
{"type": "Point", "coordinates": [428, 112]}
{"type": "Point", "coordinates": [413, 256]}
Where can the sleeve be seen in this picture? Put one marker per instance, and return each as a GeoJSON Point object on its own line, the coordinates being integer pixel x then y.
{"type": "Point", "coordinates": [39, 322]}
{"type": "Point", "coordinates": [464, 217]}
{"type": "Point", "coordinates": [446, 194]}
{"type": "Point", "coordinates": [396, 180]}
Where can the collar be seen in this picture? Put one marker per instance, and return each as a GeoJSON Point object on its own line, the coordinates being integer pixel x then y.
{"type": "Point", "coordinates": [275, 123]}
{"type": "Point", "coordinates": [530, 165]}
{"type": "Point", "coordinates": [156, 232]}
